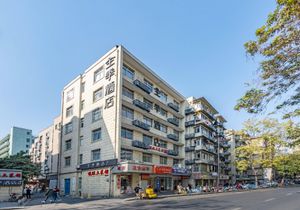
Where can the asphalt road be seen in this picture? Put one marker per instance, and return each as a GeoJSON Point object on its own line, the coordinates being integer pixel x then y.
{"type": "Point", "coordinates": [267, 199]}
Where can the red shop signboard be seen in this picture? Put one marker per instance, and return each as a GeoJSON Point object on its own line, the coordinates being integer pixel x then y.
{"type": "Point", "coordinates": [162, 169]}
{"type": "Point", "coordinates": [98, 172]}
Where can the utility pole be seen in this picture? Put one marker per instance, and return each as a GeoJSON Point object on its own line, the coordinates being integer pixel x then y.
{"type": "Point", "coordinates": [218, 177]}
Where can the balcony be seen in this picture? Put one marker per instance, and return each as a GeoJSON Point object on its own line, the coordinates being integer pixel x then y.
{"type": "Point", "coordinates": [141, 105]}
{"type": "Point", "coordinates": [211, 150]}
{"type": "Point", "coordinates": [189, 149]}
{"type": "Point", "coordinates": [189, 162]}
{"type": "Point", "coordinates": [173, 152]}
{"type": "Point", "coordinates": [228, 168]}
{"type": "Point", "coordinates": [173, 137]}
{"type": "Point", "coordinates": [189, 136]}
{"type": "Point", "coordinates": [142, 86]}
{"type": "Point", "coordinates": [141, 125]}
{"type": "Point", "coordinates": [139, 144]}
{"type": "Point", "coordinates": [190, 123]}
{"type": "Point", "coordinates": [227, 153]}
{"type": "Point", "coordinates": [173, 106]}
{"type": "Point", "coordinates": [226, 145]}
{"type": "Point", "coordinates": [189, 111]}
{"type": "Point", "coordinates": [173, 121]}
{"type": "Point", "coordinates": [227, 161]}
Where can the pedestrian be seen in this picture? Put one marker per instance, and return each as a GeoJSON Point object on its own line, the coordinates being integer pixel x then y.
{"type": "Point", "coordinates": [47, 195]}
{"type": "Point", "coordinates": [137, 191]}
{"type": "Point", "coordinates": [28, 193]}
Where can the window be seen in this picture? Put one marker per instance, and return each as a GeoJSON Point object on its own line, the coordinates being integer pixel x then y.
{"type": "Point", "coordinates": [175, 161]}
{"type": "Point", "coordinates": [28, 140]}
{"type": "Point", "coordinates": [160, 110]}
{"type": "Point", "coordinates": [148, 121]}
{"type": "Point", "coordinates": [147, 158]}
{"type": "Point", "coordinates": [163, 160]}
{"type": "Point", "coordinates": [98, 75]}
{"type": "Point", "coordinates": [70, 95]}
{"type": "Point", "coordinates": [160, 127]}
{"type": "Point", "coordinates": [163, 144]}
{"type": "Point", "coordinates": [80, 158]}
{"type": "Point", "coordinates": [176, 133]}
{"type": "Point", "coordinates": [67, 161]}
{"type": "Point", "coordinates": [176, 103]}
{"type": "Point", "coordinates": [82, 122]}
{"type": "Point", "coordinates": [128, 113]}
{"type": "Point", "coordinates": [96, 114]}
{"type": "Point", "coordinates": [175, 148]}
{"type": "Point", "coordinates": [126, 133]}
{"type": "Point", "coordinates": [82, 105]}
{"type": "Point", "coordinates": [147, 139]}
{"type": "Point", "coordinates": [81, 141]}
{"type": "Point", "coordinates": [96, 154]}
{"type": "Point", "coordinates": [128, 93]}
{"type": "Point", "coordinates": [149, 103]}
{"type": "Point", "coordinates": [127, 72]}
{"type": "Point", "coordinates": [27, 146]}
{"type": "Point", "coordinates": [68, 128]}
{"type": "Point", "coordinates": [69, 111]}
{"type": "Point", "coordinates": [163, 96]}
{"type": "Point", "coordinates": [126, 154]}
{"type": "Point", "coordinates": [148, 84]}
{"type": "Point", "coordinates": [83, 87]}
{"type": "Point", "coordinates": [68, 145]}
{"type": "Point", "coordinates": [96, 134]}
{"type": "Point", "coordinates": [28, 132]}
{"type": "Point", "coordinates": [98, 94]}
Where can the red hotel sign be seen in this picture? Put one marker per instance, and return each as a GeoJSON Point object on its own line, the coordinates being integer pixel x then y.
{"type": "Point", "coordinates": [162, 170]}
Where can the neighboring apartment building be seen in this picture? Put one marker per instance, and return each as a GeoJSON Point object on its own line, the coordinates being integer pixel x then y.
{"type": "Point", "coordinates": [45, 150]}
{"type": "Point", "coordinates": [206, 147]}
{"type": "Point", "coordinates": [235, 140]}
{"type": "Point", "coordinates": [122, 125]}
{"type": "Point", "coordinates": [19, 139]}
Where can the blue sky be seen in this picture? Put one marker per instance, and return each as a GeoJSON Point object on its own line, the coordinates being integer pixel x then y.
{"type": "Point", "coordinates": [196, 46]}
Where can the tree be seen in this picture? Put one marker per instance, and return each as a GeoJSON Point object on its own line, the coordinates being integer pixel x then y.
{"type": "Point", "coordinates": [288, 164]}
{"type": "Point", "coordinates": [264, 140]}
{"type": "Point", "coordinates": [22, 162]}
{"type": "Point", "coordinates": [278, 44]}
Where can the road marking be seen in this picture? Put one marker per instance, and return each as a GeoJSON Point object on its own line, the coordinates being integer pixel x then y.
{"type": "Point", "coordinates": [269, 199]}
{"type": "Point", "coordinates": [289, 194]}
{"type": "Point", "coordinates": [236, 209]}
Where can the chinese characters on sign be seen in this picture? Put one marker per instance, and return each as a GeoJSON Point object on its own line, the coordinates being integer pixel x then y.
{"type": "Point", "coordinates": [10, 177]}
{"type": "Point", "coordinates": [99, 164]}
{"type": "Point", "coordinates": [98, 172]}
{"type": "Point", "coordinates": [110, 88]}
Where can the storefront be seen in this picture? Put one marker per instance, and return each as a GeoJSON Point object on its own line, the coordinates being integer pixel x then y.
{"type": "Point", "coordinates": [129, 175]}
{"type": "Point", "coordinates": [162, 177]}
{"type": "Point", "coordinates": [204, 179]}
{"type": "Point", "coordinates": [224, 179]}
{"type": "Point", "coordinates": [180, 176]}
{"type": "Point", "coordinates": [10, 182]}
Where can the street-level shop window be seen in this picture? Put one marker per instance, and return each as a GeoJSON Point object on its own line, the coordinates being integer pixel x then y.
{"type": "Point", "coordinates": [68, 161]}
{"type": "Point", "coordinates": [96, 154]}
{"type": "Point", "coordinates": [68, 145]}
{"type": "Point", "coordinates": [128, 93]}
{"type": "Point", "coordinates": [96, 135]}
{"type": "Point", "coordinates": [163, 160]}
{"type": "Point", "coordinates": [128, 72]}
{"type": "Point", "coordinates": [126, 133]}
{"type": "Point", "coordinates": [96, 114]}
{"type": "Point", "coordinates": [147, 158]}
{"type": "Point", "coordinates": [98, 94]}
{"type": "Point", "coordinates": [127, 112]}
{"type": "Point", "coordinates": [126, 154]}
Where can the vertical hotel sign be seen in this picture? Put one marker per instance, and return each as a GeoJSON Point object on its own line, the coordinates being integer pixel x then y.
{"type": "Point", "coordinates": [110, 76]}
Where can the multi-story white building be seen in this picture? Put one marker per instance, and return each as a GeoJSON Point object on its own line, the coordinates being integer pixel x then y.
{"type": "Point", "coordinates": [122, 125]}
{"type": "Point", "coordinates": [45, 150]}
{"type": "Point", "coordinates": [19, 139]}
{"type": "Point", "coordinates": [206, 148]}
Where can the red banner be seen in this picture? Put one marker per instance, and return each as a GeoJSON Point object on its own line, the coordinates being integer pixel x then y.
{"type": "Point", "coordinates": [162, 170]}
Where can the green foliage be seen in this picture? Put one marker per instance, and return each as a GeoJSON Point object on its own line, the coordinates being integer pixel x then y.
{"type": "Point", "coordinates": [288, 164]}
{"type": "Point", "coordinates": [22, 162]}
{"type": "Point", "coordinates": [278, 43]}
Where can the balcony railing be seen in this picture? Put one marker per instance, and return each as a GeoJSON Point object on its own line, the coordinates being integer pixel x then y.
{"type": "Point", "coordinates": [190, 123]}
{"type": "Point", "coordinates": [141, 105]}
{"type": "Point", "coordinates": [189, 149]}
{"type": "Point", "coordinates": [189, 111]}
{"type": "Point", "coordinates": [142, 86]}
{"type": "Point", "coordinates": [173, 106]}
{"type": "Point", "coordinates": [140, 124]}
{"type": "Point", "coordinates": [173, 152]}
{"type": "Point", "coordinates": [173, 137]}
{"type": "Point", "coordinates": [173, 121]}
{"type": "Point", "coordinates": [139, 144]}
{"type": "Point", "coordinates": [211, 150]}
{"type": "Point", "coordinates": [189, 136]}
{"type": "Point", "coordinates": [189, 162]}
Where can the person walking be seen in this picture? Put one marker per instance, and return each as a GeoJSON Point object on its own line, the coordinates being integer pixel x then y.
{"type": "Point", "coordinates": [28, 193]}
{"type": "Point", "coordinates": [48, 194]}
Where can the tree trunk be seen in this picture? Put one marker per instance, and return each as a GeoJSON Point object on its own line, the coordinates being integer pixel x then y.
{"type": "Point", "coordinates": [255, 176]}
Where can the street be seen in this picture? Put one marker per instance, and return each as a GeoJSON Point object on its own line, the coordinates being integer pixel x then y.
{"type": "Point", "coordinates": [264, 199]}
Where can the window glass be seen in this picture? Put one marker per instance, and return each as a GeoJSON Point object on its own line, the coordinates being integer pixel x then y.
{"type": "Point", "coordinates": [96, 114]}
{"type": "Point", "coordinates": [128, 93]}
{"type": "Point", "coordinates": [147, 158]}
{"type": "Point", "coordinates": [127, 112]}
{"type": "Point", "coordinates": [126, 133]}
{"type": "Point", "coordinates": [96, 154]}
{"type": "Point", "coordinates": [126, 155]}
{"type": "Point", "coordinates": [128, 72]}
{"type": "Point", "coordinates": [98, 94]}
{"type": "Point", "coordinates": [98, 75]}
{"type": "Point", "coordinates": [96, 134]}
